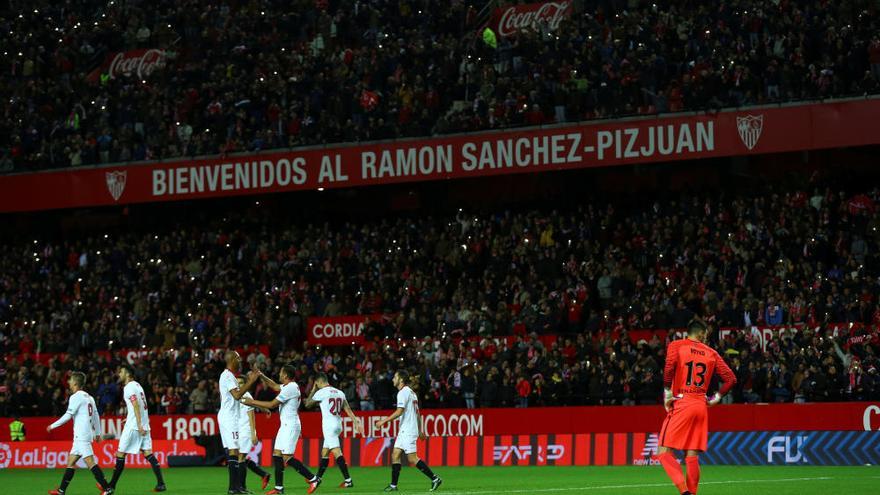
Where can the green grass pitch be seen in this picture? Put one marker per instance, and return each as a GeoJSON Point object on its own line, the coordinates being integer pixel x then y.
{"type": "Point", "coordinates": [483, 481]}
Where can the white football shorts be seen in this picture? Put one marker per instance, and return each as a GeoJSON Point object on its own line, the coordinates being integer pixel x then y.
{"type": "Point", "coordinates": [331, 436]}
{"type": "Point", "coordinates": [287, 438]}
{"type": "Point", "coordinates": [228, 434]}
{"type": "Point", "coordinates": [407, 443]}
{"type": "Point", "coordinates": [82, 448]}
{"type": "Point", "coordinates": [131, 442]}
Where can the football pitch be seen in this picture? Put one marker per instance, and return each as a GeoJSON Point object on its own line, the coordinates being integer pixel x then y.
{"type": "Point", "coordinates": [482, 481]}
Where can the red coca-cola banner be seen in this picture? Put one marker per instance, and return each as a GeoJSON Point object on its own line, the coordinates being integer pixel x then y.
{"type": "Point", "coordinates": [133, 63]}
{"type": "Point", "coordinates": [506, 21]}
{"type": "Point", "coordinates": [338, 330]}
{"type": "Point", "coordinates": [131, 356]}
{"type": "Point", "coordinates": [51, 455]}
{"type": "Point", "coordinates": [843, 416]}
{"type": "Point", "coordinates": [622, 142]}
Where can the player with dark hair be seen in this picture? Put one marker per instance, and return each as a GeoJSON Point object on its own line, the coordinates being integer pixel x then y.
{"type": "Point", "coordinates": [135, 438]}
{"type": "Point", "coordinates": [690, 365]}
{"type": "Point", "coordinates": [333, 403]}
{"type": "Point", "coordinates": [228, 416]}
{"type": "Point", "coordinates": [287, 401]}
{"type": "Point", "coordinates": [408, 434]}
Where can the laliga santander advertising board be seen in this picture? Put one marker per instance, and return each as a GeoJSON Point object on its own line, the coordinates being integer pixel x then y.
{"type": "Point", "coordinates": [563, 147]}
{"type": "Point", "coordinates": [55, 454]}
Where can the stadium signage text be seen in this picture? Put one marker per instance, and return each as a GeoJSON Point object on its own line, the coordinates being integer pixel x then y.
{"type": "Point", "coordinates": [337, 330]}
{"type": "Point", "coordinates": [733, 133]}
{"type": "Point", "coordinates": [425, 161]}
{"type": "Point", "coordinates": [531, 15]}
{"type": "Point", "coordinates": [133, 63]}
{"type": "Point", "coordinates": [792, 447]}
{"type": "Point", "coordinates": [142, 65]}
{"type": "Point", "coordinates": [870, 412]}
{"type": "Point", "coordinates": [55, 454]}
{"type": "Point", "coordinates": [333, 330]}
{"type": "Point", "coordinates": [503, 453]}
{"type": "Point", "coordinates": [437, 425]}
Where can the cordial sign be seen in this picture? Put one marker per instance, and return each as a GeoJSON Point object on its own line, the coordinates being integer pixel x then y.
{"type": "Point", "coordinates": [531, 15]}
{"type": "Point", "coordinates": [337, 330]}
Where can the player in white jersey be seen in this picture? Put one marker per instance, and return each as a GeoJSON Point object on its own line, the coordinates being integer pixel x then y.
{"type": "Point", "coordinates": [247, 439]}
{"type": "Point", "coordinates": [332, 402]}
{"type": "Point", "coordinates": [408, 433]}
{"type": "Point", "coordinates": [135, 438]}
{"type": "Point", "coordinates": [227, 418]}
{"type": "Point", "coordinates": [288, 433]}
{"type": "Point", "coordinates": [86, 429]}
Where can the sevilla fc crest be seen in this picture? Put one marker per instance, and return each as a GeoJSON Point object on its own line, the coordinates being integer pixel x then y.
{"type": "Point", "coordinates": [749, 128]}
{"type": "Point", "coordinates": [116, 183]}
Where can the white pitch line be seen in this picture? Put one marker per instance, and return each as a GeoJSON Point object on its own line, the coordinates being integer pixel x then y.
{"type": "Point", "coordinates": [642, 485]}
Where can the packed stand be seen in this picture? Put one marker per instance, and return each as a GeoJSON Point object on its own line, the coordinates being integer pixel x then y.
{"type": "Point", "coordinates": [784, 257]}
{"type": "Point", "coordinates": [796, 367]}
{"type": "Point", "coordinates": [268, 74]}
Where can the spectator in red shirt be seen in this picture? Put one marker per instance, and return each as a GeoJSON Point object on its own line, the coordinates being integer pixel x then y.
{"type": "Point", "coordinates": [170, 401]}
{"type": "Point", "coordinates": [523, 390]}
{"type": "Point", "coordinates": [535, 116]}
{"type": "Point", "coordinates": [26, 346]}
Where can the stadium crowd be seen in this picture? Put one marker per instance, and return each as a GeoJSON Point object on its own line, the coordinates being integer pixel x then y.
{"type": "Point", "coordinates": [447, 287]}
{"type": "Point", "coordinates": [264, 74]}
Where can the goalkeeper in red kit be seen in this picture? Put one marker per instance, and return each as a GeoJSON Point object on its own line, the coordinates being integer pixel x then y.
{"type": "Point", "coordinates": [690, 365]}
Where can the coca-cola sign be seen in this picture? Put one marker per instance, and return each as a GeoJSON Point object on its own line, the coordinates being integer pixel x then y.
{"type": "Point", "coordinates": [133, 63]}
{"type": "Point", "coordinates": [511, 19]}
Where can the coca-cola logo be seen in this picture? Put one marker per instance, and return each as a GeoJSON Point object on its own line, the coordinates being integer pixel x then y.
{"type": "Point", "coordinates": [142, 65]}
{"type": "Point", "coordinates": [531, 15]}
